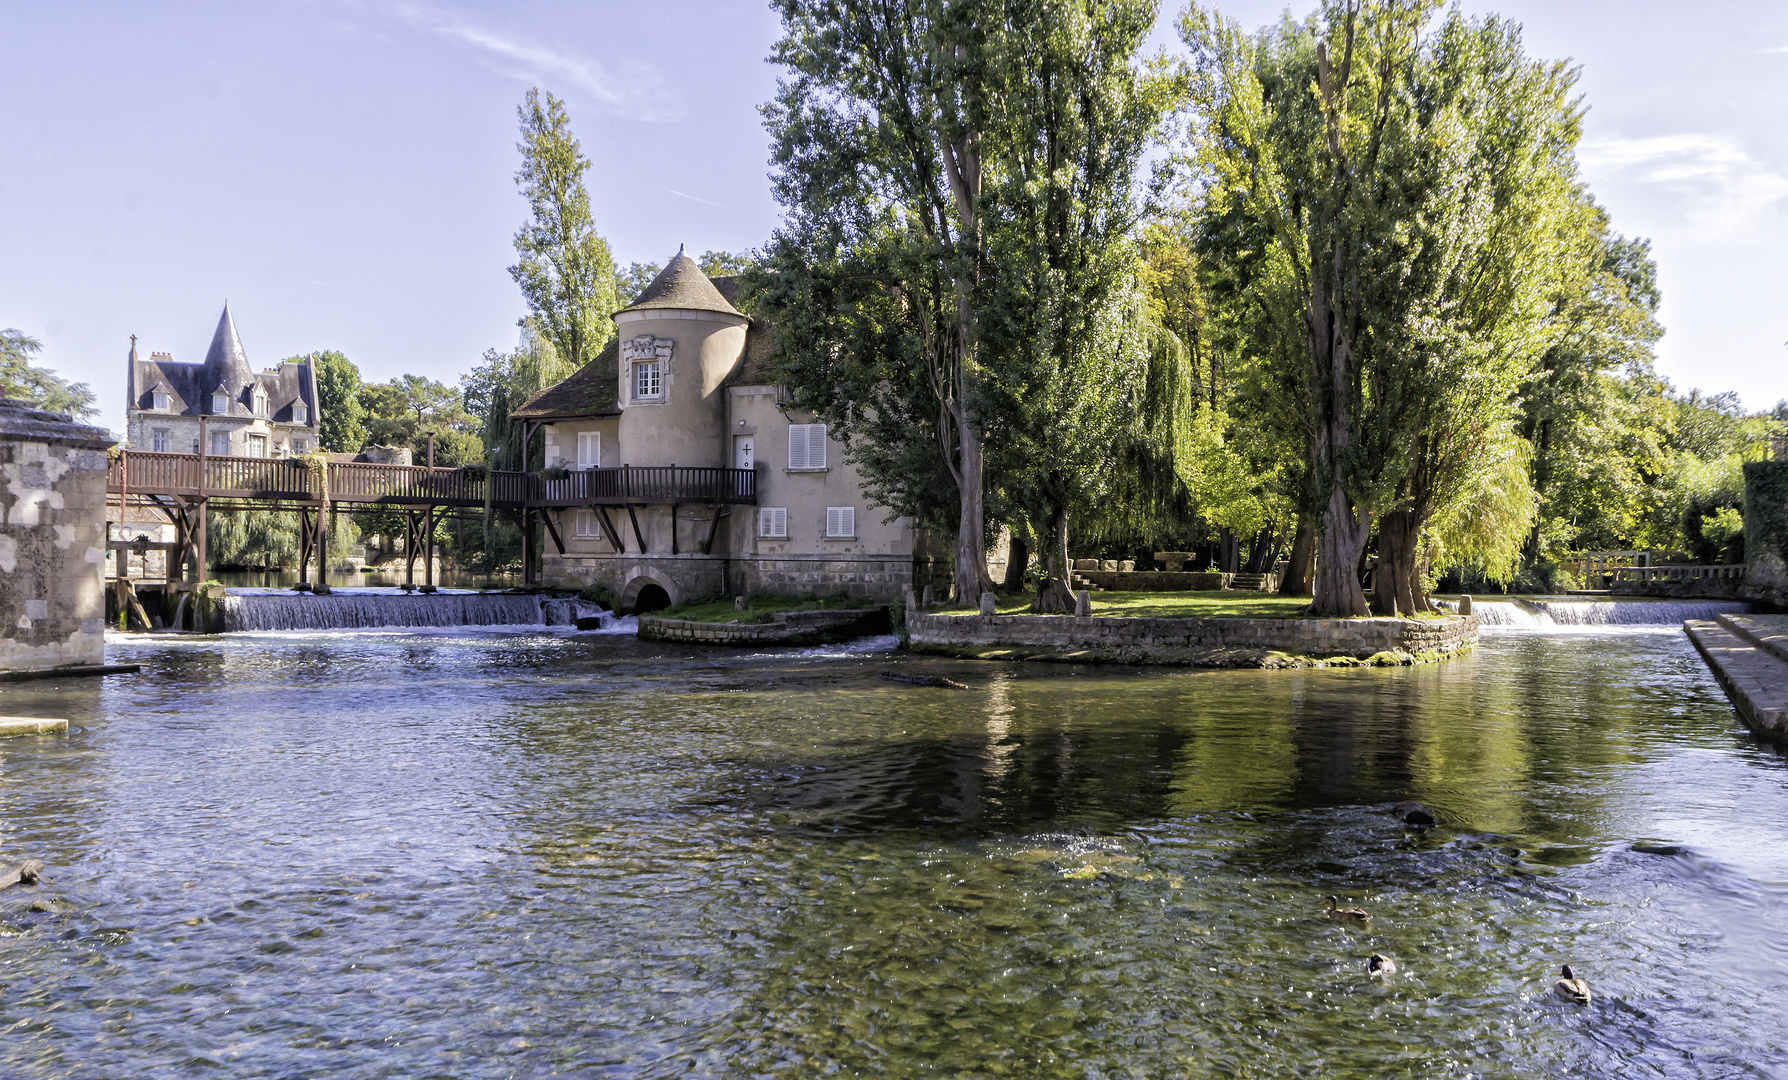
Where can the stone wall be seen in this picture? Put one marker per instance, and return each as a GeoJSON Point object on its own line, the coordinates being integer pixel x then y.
{"type": "Point", "coordinates": [684, 577]}
{"type": "Point", "coordinates": [1219, 642]}
{"type": "Point", "coordinates": [788, 628]}
{"type": "Point", "coordinates": [52, 543]}
{"type": "Point", "coordinates": [1157, 580]}
{"type": "Point", "coordinates": [1766, 533]}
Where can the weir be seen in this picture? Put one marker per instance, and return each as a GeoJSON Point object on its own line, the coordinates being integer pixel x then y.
{"type": "Point", "coordinates": [372, 610]}
{"type": "Point", "coordinates": [1539, 614]}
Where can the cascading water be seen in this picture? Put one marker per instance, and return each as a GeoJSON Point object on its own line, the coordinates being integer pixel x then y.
{"type": "Point", "coordinates": [1544, 614]}
{"type": "Point", "coordinates": [364, 610]}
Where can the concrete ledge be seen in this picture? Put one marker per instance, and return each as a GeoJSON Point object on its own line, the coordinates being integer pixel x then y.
{"type": "Point", "coordinates": [1756, 681]}
{"type": "Point", "coordinates": [72, 670]}
{"type": "Point", "coordinates": [1767, 632]}
{"type": "Point", "coordinates": [1207, 642]}
{"type": "Point", "coordinates": [25, 725]}
{"type": "Point", "coordinates": [789, 628]}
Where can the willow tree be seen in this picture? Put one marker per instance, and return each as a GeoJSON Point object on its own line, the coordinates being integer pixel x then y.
{"type": "Point", "coordinates": [564, 269]}
{"type": "Point", "coordinates": [1417, 182]}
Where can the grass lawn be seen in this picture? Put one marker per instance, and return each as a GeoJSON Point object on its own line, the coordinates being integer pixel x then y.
{"type": "Point", "coordinates": [1180, 605]}
{"type": "Point", "coordinates": [704, 609]}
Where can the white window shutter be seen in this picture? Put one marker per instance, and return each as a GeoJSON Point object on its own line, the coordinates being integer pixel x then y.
{"type": "Point", "coordinates": [797, 446]}
{"type": "Point", "coordinates": [816, 446]}
{"type": "Point", "coordinates": [841, 521]}
{"type": "Point", "coordinates": [772, 521]}
{"type": "Point", "coordinates": [850, 520]}
{"type": "Point", "coordinates": [589, 449]}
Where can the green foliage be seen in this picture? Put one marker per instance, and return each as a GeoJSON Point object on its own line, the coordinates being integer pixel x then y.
{"type": "Point", "coordinates": [565, 270]}
{"type": "Point", "coordinates": [268, 539]}
{"type": "Point", "coordinates": [404, 410]}
{"type": "Point", "coordinates": [340, 416]}
{"type": "Point", "coordinates": [39, 386]}
{"type": "Point", "coordinates": [499, 385]}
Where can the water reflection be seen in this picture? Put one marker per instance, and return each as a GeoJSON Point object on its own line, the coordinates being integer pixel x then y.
{"type": "Point", "coordinates": [467, 854]}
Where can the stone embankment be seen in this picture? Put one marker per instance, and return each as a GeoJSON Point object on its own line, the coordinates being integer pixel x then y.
{"type": "Point", "coordinates": [1749, 656]}
{"type": "Point", "coordinates": [1216, 642]}
{"type": "Point", "coordinates": [788, 628]}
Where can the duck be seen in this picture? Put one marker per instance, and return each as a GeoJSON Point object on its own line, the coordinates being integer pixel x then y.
{"type": "Point", "coordinates": [1571, 989]}
{"type": "Point", "coordinates": [1345, 914]}
{"type": "Point", "coordinates": [1379, 965]}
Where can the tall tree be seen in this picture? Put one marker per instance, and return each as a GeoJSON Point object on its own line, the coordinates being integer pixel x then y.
{"type": "Point", "coordinates": [1415, 182]}
{"type": "Point", "coordinates": [565, 269]}
{"type": "Point", "coordinates": [876, 143]}
{"type": "Point", "coordinates": [39, 386]}
{"type": "Point", "coordinates": [340, 427]}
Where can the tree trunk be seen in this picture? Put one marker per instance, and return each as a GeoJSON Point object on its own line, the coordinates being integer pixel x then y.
{"type": "Point", "coordinates": [1055, 597]}
{"type": "Point", "coordinates": [1303, 556]}
{"type": "Point", "coordinates": [971, 578]}
{"type": "Point", "coordinates": [1345, 531]}
{"type": "Point", "coordinates": [1228, 552]}
{"type": "Point", "coordinates": [1395, 585]}
{"type": "Point", "coordinates": [1018, 559]}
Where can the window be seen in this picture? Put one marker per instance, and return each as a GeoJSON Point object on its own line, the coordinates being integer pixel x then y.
{"type": "Point", "coordinates": [260, 400]}
{"type": "Point", "coordinates": [257, 446]}
{"type": "Point", "coordinates": [159, 401]}
{"type": "Point", "coordinates": [772, 522]}
{"type": "Point", "coordinates": [158, 440]}
{"type": "Point", "coordinates": [585, 524]}
{"type": "Point", "coordinates": [220, 443]}
{"type": "Point", "coordinates": [646, 381]}
{"type": "Point", "coordinates": [300, 446]}
{"type": "Point", "coordinates": [807, 446]}
{"type": "Point", "coordinates": [841, 522]}
{"type": "Point", "coordinates": [589, 449]}
{"type": "Point", "coordinates": [220, 403]}
{"type": "Point", "coordinates": [300, 414]}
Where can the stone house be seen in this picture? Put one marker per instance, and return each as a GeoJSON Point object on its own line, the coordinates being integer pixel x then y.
{"type": "Point", "coordinates": [244, 413]}
{"type": "Point", "coordinates": [687, 383]}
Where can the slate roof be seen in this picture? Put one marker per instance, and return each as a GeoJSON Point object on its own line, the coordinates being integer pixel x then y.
{"type": "Point", "coordinates": [681, 284]}
{"type": "Point", "coordinates": [226, 368]}
{"type": "Point", "coordinates": [755, 368]}
{"type": "Point", "coordinates": [591, 390]}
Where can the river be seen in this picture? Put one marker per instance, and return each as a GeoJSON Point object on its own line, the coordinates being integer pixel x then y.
{"type": "Point", "coordinates": [459, 854]}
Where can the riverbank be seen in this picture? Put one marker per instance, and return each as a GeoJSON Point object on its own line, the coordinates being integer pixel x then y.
{"type": "Point", "coordinates": [799, 627]}
{"type": "Point", "coordinates": [1220, 642]}
{"type": "Point", "coordinates": [1749, 657]}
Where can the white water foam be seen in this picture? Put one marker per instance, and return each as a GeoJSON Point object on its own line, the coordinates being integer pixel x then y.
{"type": "Point", "coordinates": [384, 609]}
{"type": "Point", "coordinates": [1554, 616]}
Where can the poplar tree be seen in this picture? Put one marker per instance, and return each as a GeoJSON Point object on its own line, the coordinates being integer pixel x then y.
{"type": "Point", "coordinates": [565, 269]}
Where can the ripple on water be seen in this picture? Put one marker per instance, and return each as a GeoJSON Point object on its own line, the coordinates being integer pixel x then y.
{"type": "Point", "coordinates": [514, 854]}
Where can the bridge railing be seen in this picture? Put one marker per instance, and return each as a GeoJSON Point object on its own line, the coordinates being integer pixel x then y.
{"type": "Point", "coordinates": [145, 472]}
{"type": "Point", "coordinates": [1677, 573]}
{"type": "Point", "coordinates": [647, 484]}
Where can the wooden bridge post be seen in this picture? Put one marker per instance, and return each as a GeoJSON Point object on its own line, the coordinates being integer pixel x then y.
{"type": "Point", "coordinates": [305, 541]}
{"type": "Point", "coordinates": [409, 547]}
{"type": "Point", "coordinates": [428, 539]}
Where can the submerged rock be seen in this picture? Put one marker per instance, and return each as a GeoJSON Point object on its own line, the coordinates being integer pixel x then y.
{"type": "Point", "coordinates": [1411, 812]}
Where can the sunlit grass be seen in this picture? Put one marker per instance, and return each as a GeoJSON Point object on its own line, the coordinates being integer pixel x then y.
{"type": "Point", "coordinates": [1211, 604]}
{"type": "Point", "coordinates": [760, 608]}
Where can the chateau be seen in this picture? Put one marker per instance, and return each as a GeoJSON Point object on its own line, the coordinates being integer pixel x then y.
{"type": "Point", "coordinates": [687, 383]}
{"type": "Point", "coordinates": [244, 413]}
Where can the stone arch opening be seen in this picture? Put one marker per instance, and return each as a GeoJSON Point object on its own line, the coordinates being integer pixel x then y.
{"type": "Point", "coordinates": [651, 597]}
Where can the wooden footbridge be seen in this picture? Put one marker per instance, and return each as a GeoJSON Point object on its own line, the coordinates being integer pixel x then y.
{"type": "Point", "coordinates": [186, 487]}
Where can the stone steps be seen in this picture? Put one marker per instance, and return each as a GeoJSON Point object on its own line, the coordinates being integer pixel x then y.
{"type": "Point", "coordinates": [1767, 632]}
{"type": "Point", "coordinates": [1754, 678]}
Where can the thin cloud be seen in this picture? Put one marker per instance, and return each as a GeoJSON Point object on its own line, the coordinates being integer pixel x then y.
{"type": "Point", "coordinates": [692, 198]}
{"type": "Point", "coordinates": [634, 94]}
{"type": "Point", "coordinates": [1721, 188]}
{"type": "Point", "coordinates": [1777, 51]}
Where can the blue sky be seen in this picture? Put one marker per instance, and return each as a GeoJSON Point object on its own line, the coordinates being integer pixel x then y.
{"type": "Point", "coordinates": [342, 170]}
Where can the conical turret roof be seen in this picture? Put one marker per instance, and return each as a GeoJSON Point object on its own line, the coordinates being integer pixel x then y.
{"type": "Point", "coordinates": [226, 365]}
{"type": "Point", "coordinates": [681, 284]}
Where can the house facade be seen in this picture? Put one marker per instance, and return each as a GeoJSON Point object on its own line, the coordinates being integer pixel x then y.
{"type": "Point", "coordinates": [687, 383]}
{"type": "Point", "coordinates": [242, 412]}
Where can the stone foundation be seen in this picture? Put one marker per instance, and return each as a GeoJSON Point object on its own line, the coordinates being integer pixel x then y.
{"type": "Point", "coordinates": [1192, 642]}
{"type": "Point", "coordinates": [684, 577]}
{"type": "Point", "coordinates": [52, 544]}
{"type": "Point", "coordinates": [788, 628]}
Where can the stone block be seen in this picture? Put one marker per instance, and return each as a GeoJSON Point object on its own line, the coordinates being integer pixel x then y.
{"type": "Point", "coordinates": [987, 603]}
{"type": "Point", "coordinates": [1083, 603]}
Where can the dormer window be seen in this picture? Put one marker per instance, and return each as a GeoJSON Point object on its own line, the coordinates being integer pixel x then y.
{"type": "Point", "coordinates": [300, 414]}
{"type": "Point", "coordinates": [220, 403]}
{"type": "Point", "coordinates": [159, 401]}
{"type": "Point", "coordinates": [260, 401]}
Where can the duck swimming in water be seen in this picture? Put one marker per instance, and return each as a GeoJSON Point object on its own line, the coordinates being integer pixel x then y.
{"type": "Point", "coordinates": [1571, 989]}
{"type": "Point", "coordinates": [1379, 965]}
{"type": "Point", "coordinates": [1345, 914]}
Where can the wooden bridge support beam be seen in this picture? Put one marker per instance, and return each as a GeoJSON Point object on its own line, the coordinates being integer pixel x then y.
{"type": "Point", "coordinates": [428, 537]}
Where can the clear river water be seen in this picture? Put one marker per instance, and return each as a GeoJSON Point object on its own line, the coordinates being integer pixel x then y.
{"type": "Point", "coordinates": [477, 854]}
